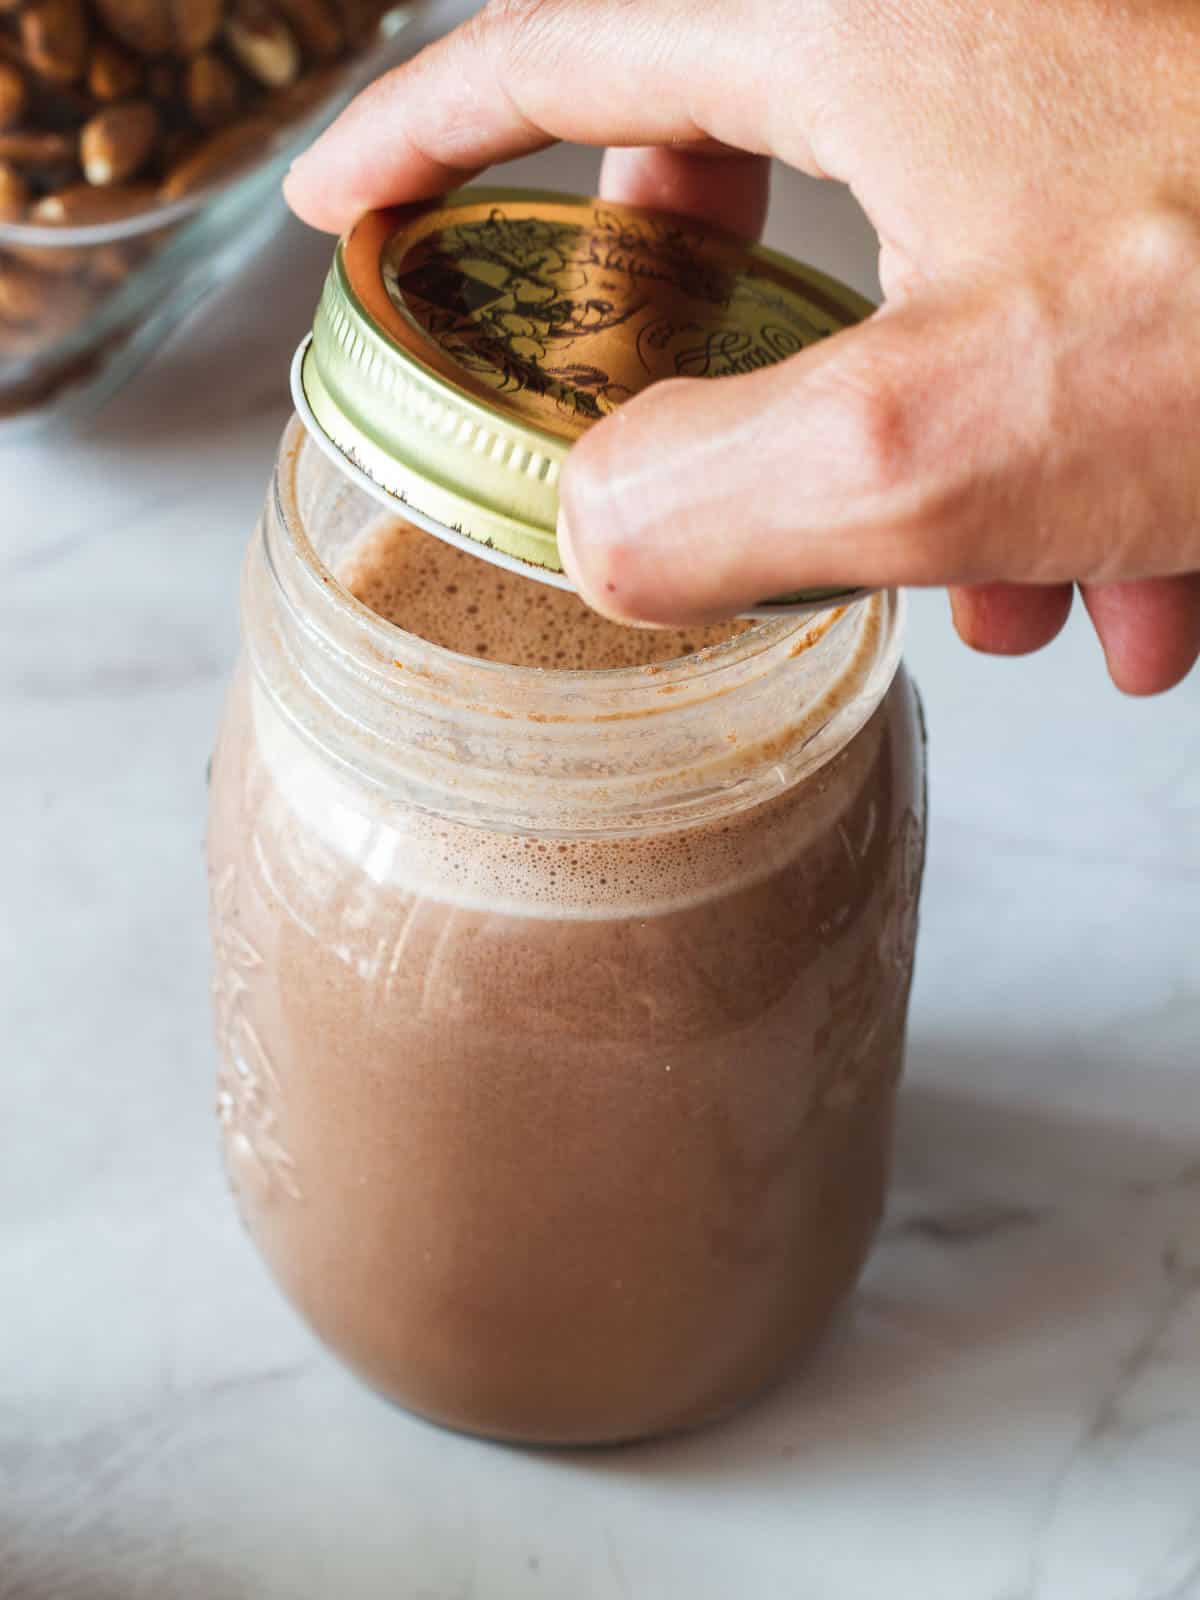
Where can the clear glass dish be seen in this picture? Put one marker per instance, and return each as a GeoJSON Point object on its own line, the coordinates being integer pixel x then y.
{"type": "Point", "coordinates": [82, 307]}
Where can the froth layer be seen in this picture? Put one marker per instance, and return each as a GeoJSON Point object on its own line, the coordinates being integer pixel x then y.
{"type": "Point", "coordinates": [337, 825]}
{"type": "Point", "coordinates": [465, 604]}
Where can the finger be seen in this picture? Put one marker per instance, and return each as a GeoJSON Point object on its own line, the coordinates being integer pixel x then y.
{"type": "Point", "coordinates": [717, 185]}
{"type": "Point", "coordinates": [1150, 631]}
{"type": "Point", "coordinates": [998, 435]}
{"type": "Point", "coordinates": [1010, 619]}
{"type": "Point", "coordinates": [898, 275]}
{"type": "Point", "coordinates": [523, 74]}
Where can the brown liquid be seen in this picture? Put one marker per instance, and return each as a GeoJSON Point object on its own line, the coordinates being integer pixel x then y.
{"type": "Point", "coordinates": [458, 601]}
{"type": "Point", "coordinates": [560, 1140]}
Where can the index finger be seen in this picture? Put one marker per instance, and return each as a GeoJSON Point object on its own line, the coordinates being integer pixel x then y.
{"type": "Point", "coordinates": [523, 74]}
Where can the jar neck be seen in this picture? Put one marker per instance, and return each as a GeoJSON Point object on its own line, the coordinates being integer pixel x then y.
{"type": "Point", "coordinates": [533, 750]}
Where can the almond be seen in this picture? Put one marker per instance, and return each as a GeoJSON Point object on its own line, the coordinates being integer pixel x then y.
{"type": "Point", "coordinates": [195, 24]}
{"type": "Point", "coordinates": [81, 204]}
{"type": "Point", "coordinates": [315, 24]}
{"type": "Point", "coordinates": [211, 90]}
{"type": "Point", "coordinates": [14, 194]}
{"type": "Point", "coordinates": [117, 143]}
{"type": "Point", "coordinates": [112, 73]}
{"type": "Point", "coordinates": [263, 45]}
{"type": "Point", "coordinates": [303, 96]}
{"type": "Point", "coordinates": [162, 27]}
{"type": "Point", "coordinates": [37, 149]}
{"type": "Point", "coordinates": [218, 157]}
{"type": "Point", "coordinates": [13, 95]}
{"type": "Point", "coordinates": [54, 34]}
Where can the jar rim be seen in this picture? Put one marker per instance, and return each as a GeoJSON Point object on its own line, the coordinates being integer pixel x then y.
{"type": "Point", "coordinates": [579, 751]}
{"type": "Point", "coordinates": [410, 650]}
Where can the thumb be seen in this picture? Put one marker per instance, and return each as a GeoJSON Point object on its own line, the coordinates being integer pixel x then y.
{"type": "Point", "coordinates": [961, 439]}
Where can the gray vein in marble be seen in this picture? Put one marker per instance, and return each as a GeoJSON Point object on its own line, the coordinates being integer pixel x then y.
{"type": "Point", "coordinates": [41, 553]}
{"type": "Point", "coordinates": [1184, 1582]}
{"type": "Point", "coordinates": [40, 556]}
{"type": "Point", "coordinates": [1181, 1281]}
{"type": "Point", "coordinates": [1178, 1182]}
{"type": "Point", "coordinates": [1185, 1587]}
{"type": "Point", "coordinates": [615, 1565]}
{"type": "Point", "coordinates": [109, 1454]}
{"type": "Point", "coordinates": [970, 1225]}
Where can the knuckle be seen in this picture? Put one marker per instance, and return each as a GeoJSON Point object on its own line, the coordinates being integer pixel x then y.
{"type": "Point", "coordinates": [870, 423]}
{"type": "Point", "coordinates": [507, 28]}
{"type": "Point", "coordinates": [885, 425]}
{"type": "Point", "coordinates": [1160, 247]}
{"type": "Point", "coordinates": [519, 46]}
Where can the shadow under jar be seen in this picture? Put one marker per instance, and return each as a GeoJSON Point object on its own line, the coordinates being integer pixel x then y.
{"type": "Point", "coordinates": [560, 1014]}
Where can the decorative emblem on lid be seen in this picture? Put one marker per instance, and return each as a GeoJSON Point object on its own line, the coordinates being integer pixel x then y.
{"type": "Point", "coordinates": [461, 346]}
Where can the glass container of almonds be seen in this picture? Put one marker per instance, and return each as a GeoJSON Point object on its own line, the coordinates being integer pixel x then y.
{"type": "Point", "coordinates": [141, 147]}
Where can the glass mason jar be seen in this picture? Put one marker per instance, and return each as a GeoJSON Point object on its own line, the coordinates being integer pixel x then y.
{"type": "Point", "coordinates": [560, 1014]}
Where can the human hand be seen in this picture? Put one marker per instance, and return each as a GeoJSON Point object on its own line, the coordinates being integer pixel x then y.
{"type": "Point", "coordinates": [1020, 416]}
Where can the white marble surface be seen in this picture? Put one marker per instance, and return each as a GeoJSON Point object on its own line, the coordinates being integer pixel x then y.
{"type": "Point", "coordinates": [1012, 1411]}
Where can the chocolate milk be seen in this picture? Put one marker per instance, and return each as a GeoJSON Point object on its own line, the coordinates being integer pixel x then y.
{"type": "Point", "coordinates": [558, 1139]}
{"type": "Point", "coordinates": [450, 598]}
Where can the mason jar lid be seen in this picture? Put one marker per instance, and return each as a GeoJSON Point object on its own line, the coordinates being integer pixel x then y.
{"type": "Point", "coordinates": [462, 345]}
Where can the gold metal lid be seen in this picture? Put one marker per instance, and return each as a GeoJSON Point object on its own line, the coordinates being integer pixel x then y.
{"type": "Point", "coordinates": [462, 345]}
